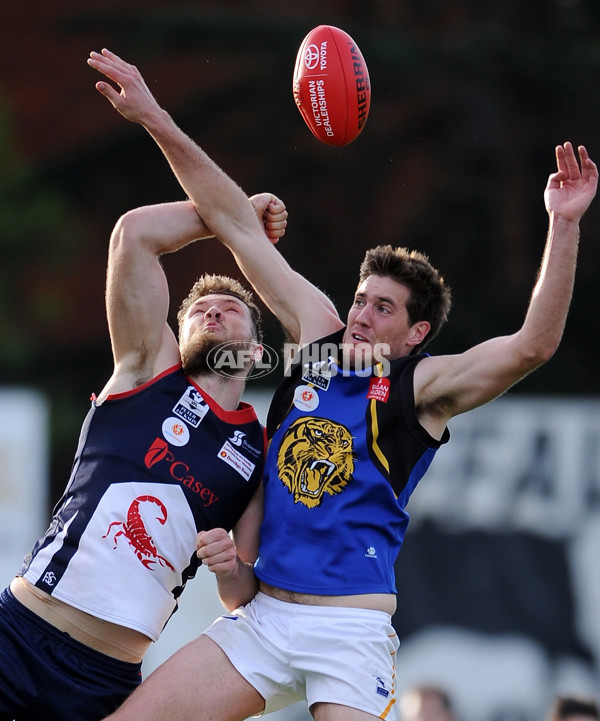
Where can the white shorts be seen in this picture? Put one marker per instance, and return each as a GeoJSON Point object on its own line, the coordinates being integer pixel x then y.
{"type": "Point", "coordinates": [326, 654]}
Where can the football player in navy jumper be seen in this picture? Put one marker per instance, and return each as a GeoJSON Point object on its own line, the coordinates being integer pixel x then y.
{"type": "Point", "coordinates": [353, 427]}
{"type": "Point", "coordinates": [169, 461]}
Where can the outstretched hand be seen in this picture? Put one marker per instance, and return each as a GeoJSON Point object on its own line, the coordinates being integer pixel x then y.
{"type": "Point", "coordinates": [572, 188]}
{"type": "Point", "coordinates": [272, 214]}
{"type": "Point", "coordinates": [135, 102]}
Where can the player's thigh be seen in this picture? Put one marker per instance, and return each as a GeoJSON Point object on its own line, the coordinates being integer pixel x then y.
{"type": "Point", "coordinates": [337, 712]}
{"type": "Point", "coordinates": [198, 681]}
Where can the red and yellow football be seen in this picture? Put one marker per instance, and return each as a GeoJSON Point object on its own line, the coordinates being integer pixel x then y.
{"type": "Point", "coordinates": [331, 85]}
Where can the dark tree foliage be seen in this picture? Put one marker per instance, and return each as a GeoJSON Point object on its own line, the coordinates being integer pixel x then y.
{"type": "Point", "coordinates": [469, 100]}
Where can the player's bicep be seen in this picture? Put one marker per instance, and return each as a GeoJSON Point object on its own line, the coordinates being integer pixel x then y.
{"type": "Point", "coordinates": [137, 298]}
{"type": "Point", "coordinates": [458, 383]}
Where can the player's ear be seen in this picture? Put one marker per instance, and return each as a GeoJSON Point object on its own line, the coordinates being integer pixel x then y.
{"type": "Point", "coordinates": [418, 332]}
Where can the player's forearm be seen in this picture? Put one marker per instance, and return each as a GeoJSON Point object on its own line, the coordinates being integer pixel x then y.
{"type": "Point", "coordinates": [237, 588]}
{"type": "Point", "coordinates": [549, 306]}
{"type": "Point", "coordinates": [219, 201]}
{"type": "Point", "coordinates": [567, 196]}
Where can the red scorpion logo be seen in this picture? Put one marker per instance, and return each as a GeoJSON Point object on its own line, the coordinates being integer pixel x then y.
{"type": "Point", "coordinates": [135, 532]}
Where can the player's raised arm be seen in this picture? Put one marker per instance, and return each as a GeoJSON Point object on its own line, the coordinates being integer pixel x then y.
{"type": "Point", "coordinates": [449, 385]}
{"type": "Point", "coordinates": [303, 310]}
{"type": "Point", "coordinates": [137, 293]}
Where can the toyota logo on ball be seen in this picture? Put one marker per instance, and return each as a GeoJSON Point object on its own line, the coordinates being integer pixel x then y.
{"type": "Point", "coordinates": [311, 57]}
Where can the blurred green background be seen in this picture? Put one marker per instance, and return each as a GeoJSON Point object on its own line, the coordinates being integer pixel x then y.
{"type": "Point", "coordinates": [469, 99]}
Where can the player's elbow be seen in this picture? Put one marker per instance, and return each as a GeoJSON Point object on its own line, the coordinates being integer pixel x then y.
{"type": "Point", "coordinates": [133, 232]}
{"type": "Point", "coordinates": [119, 238]}
{"type": "Point", "coordinates": [126, 229]}
{"type": "Point", "coordinates": [535, 354]}
{"type": "Point", "coordinates": [535, 345]}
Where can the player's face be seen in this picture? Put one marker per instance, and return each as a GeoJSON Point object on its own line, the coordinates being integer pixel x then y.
{"type": "Point", "coordinates": [210, 321]}
{"type": "Point", "coordinates": [378, 317]}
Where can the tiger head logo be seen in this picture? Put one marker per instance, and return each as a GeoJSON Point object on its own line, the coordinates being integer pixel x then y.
{"type": "Point", "coordinates": [315, 457]}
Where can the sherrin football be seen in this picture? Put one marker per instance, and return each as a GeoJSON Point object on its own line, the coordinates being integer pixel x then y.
{"type": "Point", "coordinates": [331, 85]}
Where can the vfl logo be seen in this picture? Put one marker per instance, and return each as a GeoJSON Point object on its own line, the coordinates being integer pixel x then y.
{"type": "Point", "coordinates": [135, 532]}
{"type": "Point", "coordinates": [191, 407]}
{"type": "Point", "coordinates": [315, 457]}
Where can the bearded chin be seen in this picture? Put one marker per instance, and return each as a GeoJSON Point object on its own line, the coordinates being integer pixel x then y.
{"type": "Point", "coordinates": [194, 356]}
{"type": "Point", "coordinates": [202, 356]}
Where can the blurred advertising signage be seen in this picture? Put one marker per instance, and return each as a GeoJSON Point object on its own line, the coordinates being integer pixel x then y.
{"type": "Point", "coordinates": [23, 475]}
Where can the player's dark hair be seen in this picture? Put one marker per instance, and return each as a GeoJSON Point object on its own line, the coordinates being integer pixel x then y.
{"type": "Point", "coordinates": [222, 285]}
{"type": "Point", "coordinates": [430, 297]}
{"type": "Point", "coordinates": [565, 707]}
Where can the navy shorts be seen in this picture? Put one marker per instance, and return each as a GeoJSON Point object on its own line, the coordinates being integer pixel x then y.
{"type": "Point", "coordinates": [45, 675]}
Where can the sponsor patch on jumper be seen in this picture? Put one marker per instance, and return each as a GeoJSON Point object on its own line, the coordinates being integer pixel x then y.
{"type": "Point", "coordinates": [239, 439]}
{"type": "Point", "coordinates": [379, 389]}
{"type": "Point", "coordinates": [236, 460]}
{"type": "Point", "coordinates": [191, 407]}
{"type": "Point", "coordinates": [318, 374]}
{"type": "Point", "coordinates": [175, 431]}
{"type": "Point", "coordinates": [306, 398]}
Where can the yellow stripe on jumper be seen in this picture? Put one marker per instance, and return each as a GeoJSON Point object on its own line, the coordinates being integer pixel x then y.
{"type": "Point", "coordinates": [374, 425]}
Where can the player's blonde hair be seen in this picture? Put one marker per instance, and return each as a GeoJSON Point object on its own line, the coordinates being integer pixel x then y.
{"type": "Point", "coordinates": [208, 284]}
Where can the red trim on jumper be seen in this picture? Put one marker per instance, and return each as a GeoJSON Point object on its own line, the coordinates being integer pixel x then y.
{"type": "Point", "coordinates": [244, 413]}
{"type": "Point", "coordinates": [133, 391]}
